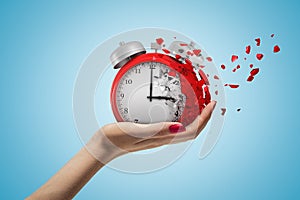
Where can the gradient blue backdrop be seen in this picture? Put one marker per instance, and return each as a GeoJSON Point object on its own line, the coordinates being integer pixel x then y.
{"type": "Point", "coordinates": [42, 45]}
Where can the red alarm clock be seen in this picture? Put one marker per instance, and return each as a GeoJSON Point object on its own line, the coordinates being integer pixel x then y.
{"type": "Point", "coordinates": [155, 87]}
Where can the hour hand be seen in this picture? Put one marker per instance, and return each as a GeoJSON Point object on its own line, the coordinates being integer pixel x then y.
{"type": "Point", "coordinates": [162, 98]}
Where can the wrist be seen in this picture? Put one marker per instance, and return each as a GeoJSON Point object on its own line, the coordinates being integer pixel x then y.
{"type": "Point", "coordinates": [102, 149]}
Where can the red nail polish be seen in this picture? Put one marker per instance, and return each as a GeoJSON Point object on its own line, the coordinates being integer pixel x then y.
{"type": "Point", "coordinates": [175, 128]}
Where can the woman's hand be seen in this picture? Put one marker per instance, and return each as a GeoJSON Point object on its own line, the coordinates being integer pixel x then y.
{"type": "Point", "coordinates": [110, 142]}
{"type": "Point", "coordinates": [117, 139]}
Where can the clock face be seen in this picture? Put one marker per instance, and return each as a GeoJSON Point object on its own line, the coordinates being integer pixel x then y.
{"type": "Point", "coordinates": [150, 92]}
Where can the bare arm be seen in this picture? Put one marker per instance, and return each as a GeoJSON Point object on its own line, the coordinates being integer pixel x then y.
{"type": "Point", "coordinates": [110, 142]}
{"type": "Point", "coordinates": [69, 180]}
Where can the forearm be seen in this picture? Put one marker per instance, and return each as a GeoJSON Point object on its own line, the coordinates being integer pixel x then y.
{"type": "Point", "coordinates": [67, 182]}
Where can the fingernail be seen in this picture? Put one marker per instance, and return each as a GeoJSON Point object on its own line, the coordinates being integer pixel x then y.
{"type": "Point", "coordinates": [215, 104]}
{"type": "Point", "coordinates": [176, 128]}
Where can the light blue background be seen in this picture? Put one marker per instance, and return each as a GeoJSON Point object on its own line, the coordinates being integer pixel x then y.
{"type": "Point", "coordinates": [43, 44]}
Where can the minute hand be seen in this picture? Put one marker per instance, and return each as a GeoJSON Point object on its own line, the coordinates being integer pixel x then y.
{"type": "Point", "coordinates": [161, 97]}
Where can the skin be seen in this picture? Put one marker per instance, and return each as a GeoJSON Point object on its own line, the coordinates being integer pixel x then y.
{"type": "Point", "coordinates": [109, 142]}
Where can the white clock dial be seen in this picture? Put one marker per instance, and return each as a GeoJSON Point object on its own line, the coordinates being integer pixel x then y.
{"type": "Point", "coordinates": [147, 94]}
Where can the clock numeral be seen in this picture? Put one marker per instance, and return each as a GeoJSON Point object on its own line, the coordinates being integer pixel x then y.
{"type": "Point", "coordinates": [125, 110]}
{"type": "Point", "coordinates": [152, 66]}
{"type": "Point", "coordinates": [122, 95]}
{"type": "Point", "coordinates": [128, 81]}
{"type": "Point", "coordinates": [137, 71]}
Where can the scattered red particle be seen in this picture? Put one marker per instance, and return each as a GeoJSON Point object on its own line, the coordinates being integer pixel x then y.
{"type": "Point", "coordinates": [272, 35]}
{"type": "Point", "coordinates": [207, 75]}
{"type": "Point", "coordinates": [257, 40]}
{"type": "Point", "coordinates": [201, 66]}
{"type": "Point", "coordinates": [183, 44]}
{"type": "Point", "coordinates": [166, 51]}
{"type": "Point", "coordinates": [223, 66]}
{"type": "Point", "coordinates": [238, 110]}
{"type": "Point", "coordinates": [226, 84]}
{"type": "Point", "coordinates": [234, 58]}
{"type": "Point", "coordinates": [223, 111]}
{"type": "Point", "coordinates": [251, 65]}
{"type": "Point", "coordinates": [250, 78]}
{"type": "Point", "coordinates": [159, 41]}
{"type": "Point", "coordinates": [234, 70]}
{"type": "Point", "coordinates": [216, 92]}
{"type": "Point", "coordinates": [188, 61]}
{"type": "Point", "coordinates": [254, 71]}
{"type": "Point", "coordinates": [259, 56]}
{"type": "Point", "coordinates": [238, 66]}
{"type": "Point", "coordinates": [197, 51]}
{"type": "Point", "coordinates": [209, 59]}
{"type": "Point", "coordinates": [245, 58]}
{"type": "Point", "coordinates": [216, 77]}
{"type": "Point", "coordinates": [248, 49]}
{"type": "Point", "coordinates": [189, 53]}
{"type": "Point", "coordinates": [276, 49]}
{"type": "Point", "coordinates": [232, 85]}
{"type": "Point", "coordinates": [177, 56]}
{"type": "Point", "coordinates": [174, 37]}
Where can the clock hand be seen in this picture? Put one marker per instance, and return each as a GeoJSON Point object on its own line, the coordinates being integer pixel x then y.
{"type": "Point", "coordinates": [161, 97]}
{"type": "Point", "coordinates": [151, 85]}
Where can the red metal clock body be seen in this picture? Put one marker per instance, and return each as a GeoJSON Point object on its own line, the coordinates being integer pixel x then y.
{"type": "Point", "coordinates": [153, 87]}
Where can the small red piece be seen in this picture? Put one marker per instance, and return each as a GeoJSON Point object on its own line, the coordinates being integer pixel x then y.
{"type": "Point", "coordinates": [197, 51]}
{"type": "Point", "coordinates": [232, 85]}
{"type": "Point", "coordinates": [209, 59]}
{"type": "Point", "coordinates": [216, 77]}
{"type": "Point", "coordinates": [272, 35]}
{"type": "Point", "coordinates": [234, 58]}
{"type": "Point", "coordinates": [223, 66]}
{"type": "Point", "coordinates": [238, 66]}
{"type": "Point", "coordinates": [250, 78]}
{"type": "Point", "coordinates": [254, 71]}
{"type": "Point", "coordinates": [201, 66]}
{"type": "Point", "coordinates": [166, 51]}
{"type": "Point", "coordinates": [177, 56]}
{"type": "Point", "coordinates": [251, 65]}
{"type": "Point", "coordinates": [159, 41]}
{"type": "Point", "coordinates": [259, 56]}
{"type": "Point", "coordinates": [216, 92]}
{"type": "Point", "coordinates": [276, 49]}
{"type": "Point", "coordinates": [183, 44]}
{"type": "Point", "coordinates": [248, 49]}
{"type": "Point", "coordinates": [234, 70]}
{"type": "Point", "coordinates": [189, 53]}
{"type": "Point", "coordinates": [257, 40]}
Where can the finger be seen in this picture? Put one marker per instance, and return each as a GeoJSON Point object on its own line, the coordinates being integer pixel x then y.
{"type": "Point", "coordinates": [169, 130]}
{"type": "Point", "coordinates": [144, 131]}
{"type": "Point", "coordinates": [192, 131]}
